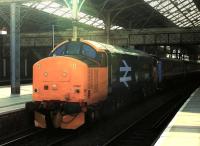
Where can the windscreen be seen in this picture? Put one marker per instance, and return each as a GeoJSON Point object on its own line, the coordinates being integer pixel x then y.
{"type": "Point", "coordinates": [72, 48]}
{"type": "Point", "coordinates": [80, 50]}
{"type": "Point", "coordinates": [75, 48]}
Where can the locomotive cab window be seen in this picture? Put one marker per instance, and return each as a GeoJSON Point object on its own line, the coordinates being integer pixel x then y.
{"type": "Point", "coordinates": [72, 48]}
{"type": "Point", "coordinates": [80, 49]}
{"type": "Point", "coordinates": [89, 51]}
{"type": "Point", "coordinates": [58, 51]}
{"type": "Point", "coordinates": [75, 48]}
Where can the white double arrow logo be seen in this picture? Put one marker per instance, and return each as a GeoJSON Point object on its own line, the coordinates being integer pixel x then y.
{"type": "Point", "coordinates": [125, 69]}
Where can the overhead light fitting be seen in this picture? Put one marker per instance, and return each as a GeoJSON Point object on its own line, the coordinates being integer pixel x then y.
{"type": "Point", "coordinates": [3, 32]}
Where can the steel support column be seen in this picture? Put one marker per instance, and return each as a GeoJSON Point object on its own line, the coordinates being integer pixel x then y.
{"type": "Point", "coordinates": [53, 36]}
{"type": "Point", "coordinates": [1, 47]}
{"type": "Point", "coordinates": [75, 19]}
{"type": "Point", "coordinates": [107, 27]}
{"type": "Point", "coordinates": [15, 48]}
{"type": "Point", "coordinates": [1, 57]}
{"type": "Point", "coordinates": [130, 23]}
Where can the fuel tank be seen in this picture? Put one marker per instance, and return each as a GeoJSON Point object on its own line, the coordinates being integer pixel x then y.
{"type": "Point", "coordinates": [61, 79]}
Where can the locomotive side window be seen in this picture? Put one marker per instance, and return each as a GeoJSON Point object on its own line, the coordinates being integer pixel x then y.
{"type": "Point", "coordinates": [102, 58]}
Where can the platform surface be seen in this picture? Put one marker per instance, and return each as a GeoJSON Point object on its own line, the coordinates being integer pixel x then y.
{"type": "Point", "coordinates": [184, 129]}
{"type": "Point", "coordinates": [10, 103]}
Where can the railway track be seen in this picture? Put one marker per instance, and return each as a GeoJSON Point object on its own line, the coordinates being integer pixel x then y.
{"type": "Point", "coordinates": [137, 133]}
{"type": "Point", "coordinates": [112, 129]}
{"type": "Point", "coordinates": [62, 139]}
{"type": "Point", "coordinates": [39, 137]}
{"type": "Point", "coordinates": [145, 131]}
{"type": "Point", "coordinates": [20, 136]}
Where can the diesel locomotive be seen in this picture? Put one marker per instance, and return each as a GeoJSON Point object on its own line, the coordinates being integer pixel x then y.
{"type": "Point", "coordinates": [81, 78]}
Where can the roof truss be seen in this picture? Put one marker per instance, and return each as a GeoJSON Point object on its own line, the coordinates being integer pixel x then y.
{"type": "Point", "coordinates": [183, 13]}
{"type": "Point", "coordinates": [55, 8]}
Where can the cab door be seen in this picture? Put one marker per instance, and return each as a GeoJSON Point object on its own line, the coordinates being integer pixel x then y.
{"type": "Point", "coordinates": [98, 79]}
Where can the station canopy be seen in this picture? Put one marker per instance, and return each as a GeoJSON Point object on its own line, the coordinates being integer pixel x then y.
{"type": "Point", "coordinates": [183, 13]}
{"type": "Point", "coordinates": [40, 15]}
{"type": "Point", "coordinates": [61, 10]}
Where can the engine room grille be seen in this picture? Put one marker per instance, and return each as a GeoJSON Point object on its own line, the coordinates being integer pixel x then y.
{"type": "Point", "coordinates": [93, 80]}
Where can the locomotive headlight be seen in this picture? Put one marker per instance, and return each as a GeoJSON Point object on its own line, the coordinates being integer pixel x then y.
{"type": "Point", "coordinates": [54, 87]}
{"type": "Point", "coordinates": [45, 74]}
{"type": "Point", "coordinates": [64, 74]}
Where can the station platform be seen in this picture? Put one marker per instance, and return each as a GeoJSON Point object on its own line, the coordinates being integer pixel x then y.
{"type": "Point", "coordinates": [9, 103]}
{"type": "Point", "coordinates": [184, 129]}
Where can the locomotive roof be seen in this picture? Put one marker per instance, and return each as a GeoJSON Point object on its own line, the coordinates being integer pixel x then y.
{"type": "Point", "coordinates": [115, 49]}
